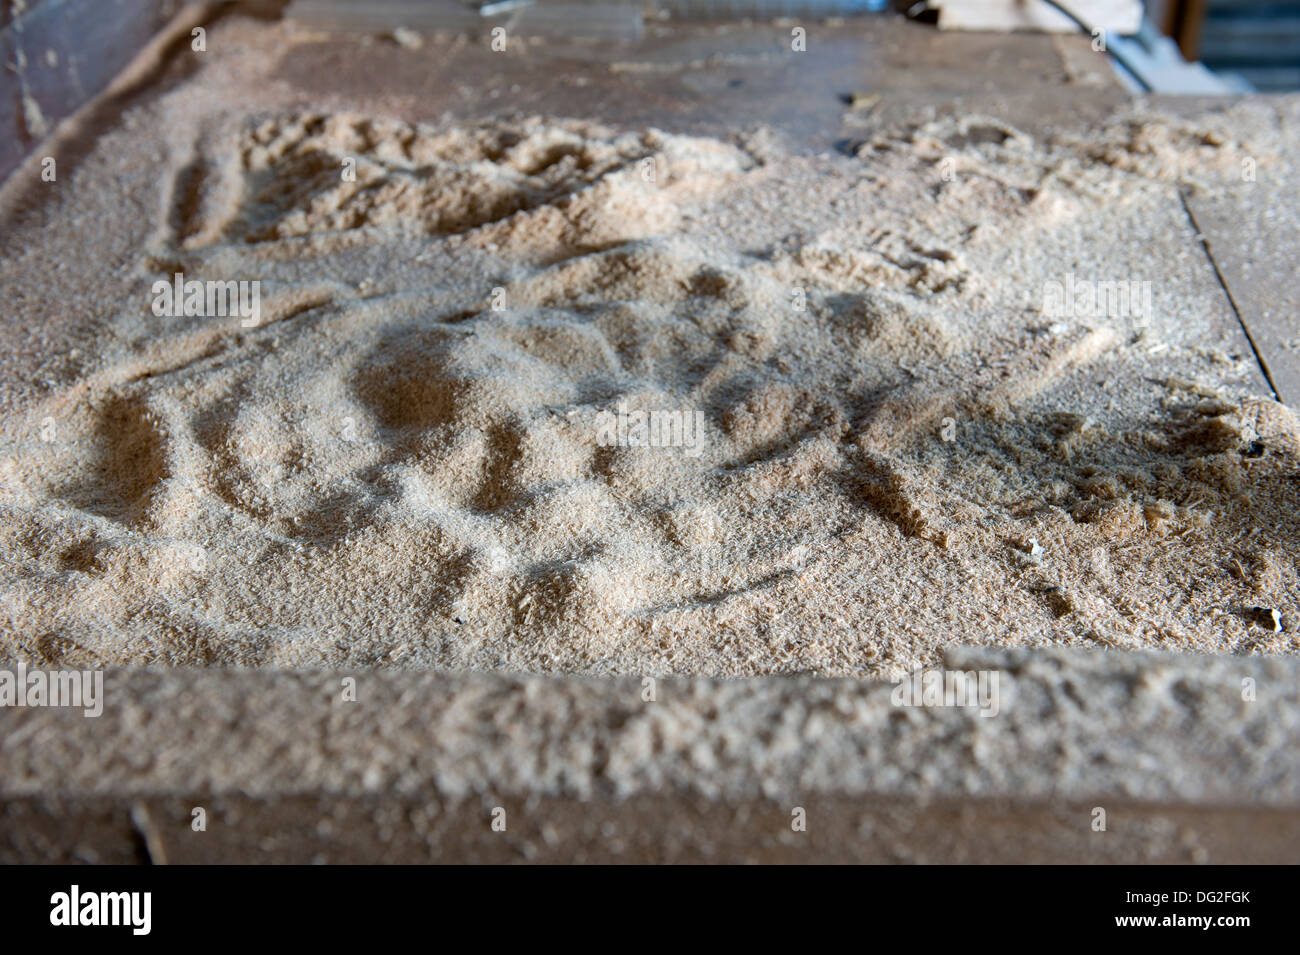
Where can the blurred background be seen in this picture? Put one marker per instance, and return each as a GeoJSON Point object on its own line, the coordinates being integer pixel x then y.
{"type": "Point", "coordinates": [58, 54]}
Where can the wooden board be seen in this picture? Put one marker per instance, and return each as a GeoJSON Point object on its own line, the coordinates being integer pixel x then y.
{"type": "Point", "coordinates": [1252, 231]}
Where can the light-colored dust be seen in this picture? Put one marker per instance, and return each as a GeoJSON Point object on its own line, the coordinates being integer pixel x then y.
{"type": "Point", "coordinates": [402, 465]}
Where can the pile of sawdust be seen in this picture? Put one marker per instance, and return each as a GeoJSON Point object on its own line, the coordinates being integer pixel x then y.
{"type": "Point", "coordinates": [403, 463]}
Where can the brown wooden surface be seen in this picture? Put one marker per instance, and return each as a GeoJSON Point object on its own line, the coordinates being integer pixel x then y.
{"type": "Point", "coordinates": [1032, 82]}
{"type": "Point", "coordinates": [306, 829]}
{"type": "Point", "coordinates": [1252, 231]}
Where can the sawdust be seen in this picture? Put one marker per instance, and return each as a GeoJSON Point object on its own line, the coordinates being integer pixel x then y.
{"type": "Point", "coordinates": [401, 464]}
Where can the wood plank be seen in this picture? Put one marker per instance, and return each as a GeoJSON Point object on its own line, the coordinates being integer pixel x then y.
{"type": "Point", "coordinates": [1252, 230]}
{"type": "Point", "coordinates": [61, 55]}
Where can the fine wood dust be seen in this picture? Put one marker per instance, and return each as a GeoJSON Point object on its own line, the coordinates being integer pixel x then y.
{"type": "Point", "coordinates": [462, 432]}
